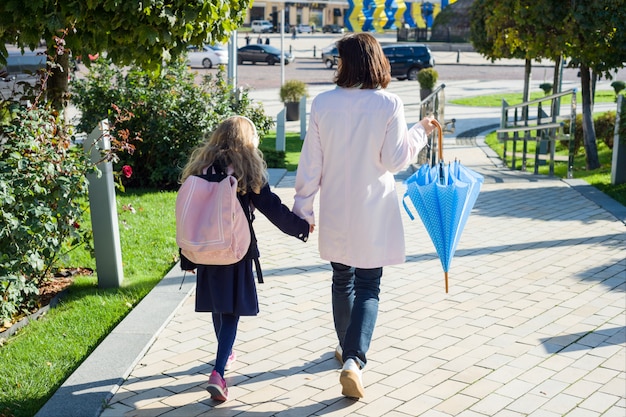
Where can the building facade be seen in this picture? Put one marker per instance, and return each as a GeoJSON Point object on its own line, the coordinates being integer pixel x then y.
{"type": "Point", "coordinates": [354, 15]}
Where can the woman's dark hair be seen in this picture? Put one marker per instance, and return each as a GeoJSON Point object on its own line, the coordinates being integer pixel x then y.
{"type": "Point", "coordinates": [362, 63]}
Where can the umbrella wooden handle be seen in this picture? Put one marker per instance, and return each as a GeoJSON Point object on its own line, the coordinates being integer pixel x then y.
{"type": "Point", "coordinates": [437, 125]}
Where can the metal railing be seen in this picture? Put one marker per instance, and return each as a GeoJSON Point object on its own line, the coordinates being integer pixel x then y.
{"type": "Point", "coordinates": [434, 105]}
{"type": "Point", "coordinates": [520, 126]}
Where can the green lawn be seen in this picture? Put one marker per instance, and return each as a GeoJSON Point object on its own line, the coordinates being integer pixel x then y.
{"type": "Point", "coordinates": [599, 178]}
{"type": "Point", "coordinates": [495, 100]}
{"type": "Point", "coordinates": [293, 146]}
{"type": "Point", "coordinates": [37, 360]}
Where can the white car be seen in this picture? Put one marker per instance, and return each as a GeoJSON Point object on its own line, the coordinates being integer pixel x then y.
{"type": "Point", "coordinates": [305, 29]}
{"type": "Point", "coordinates": [261, 26]}
{"type": "Point", "coordinates": [207, 56]}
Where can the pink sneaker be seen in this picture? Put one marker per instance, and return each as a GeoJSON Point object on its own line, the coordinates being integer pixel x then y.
{"type": "Point", "coordinates": [217, 387]}
{"type": "Point", "coordinates": [231, 359]}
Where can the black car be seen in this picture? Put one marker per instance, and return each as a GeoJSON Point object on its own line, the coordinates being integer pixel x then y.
{"type": "Point", "coordinates": [332, 29]}
{"type": "Point", "coordinates": [330, 56]}
{"type": "Point", "coordinates": [407, 59]}
{"type": "Point", "coordinates": [262, 53]}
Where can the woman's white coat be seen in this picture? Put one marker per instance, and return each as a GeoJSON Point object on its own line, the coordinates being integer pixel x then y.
{"type": "Point", "coordinates": [357, 139]}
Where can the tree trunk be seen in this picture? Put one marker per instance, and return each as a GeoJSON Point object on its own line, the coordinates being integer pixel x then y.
{"type": "Point", "coordinates": [526, 97]}
{"type": "Point", "coordinates": [589, 134]}
{"type": "Point", "coordinates": [556, 87]}
{"type": "Point", "coordinates": [57, 88]}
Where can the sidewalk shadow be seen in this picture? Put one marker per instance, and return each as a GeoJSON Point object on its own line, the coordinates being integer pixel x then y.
{"type": "Point", "coordinates": [324, 363]}
{"type": "Point", "coordinates": [585, 340]}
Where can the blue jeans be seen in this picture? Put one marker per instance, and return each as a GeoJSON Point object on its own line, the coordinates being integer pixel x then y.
{"type": "Point", "coordinates": [355, 308]}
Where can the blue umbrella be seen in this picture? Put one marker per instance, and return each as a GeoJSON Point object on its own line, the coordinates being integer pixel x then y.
{"type": "Point", "coordinates": [443, 196]}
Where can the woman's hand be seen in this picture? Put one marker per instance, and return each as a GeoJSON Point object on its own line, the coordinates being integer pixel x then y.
{"type": "Point", "coordinates": [427, 124]}
{"type": "Point", "coordinates": [311, 228]}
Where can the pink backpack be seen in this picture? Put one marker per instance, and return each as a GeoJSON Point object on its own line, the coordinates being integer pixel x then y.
{"type": "Point", "coordinates": [211, 226]}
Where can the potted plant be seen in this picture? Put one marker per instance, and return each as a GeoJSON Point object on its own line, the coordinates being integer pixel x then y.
{"type": "Point", "coordinates": [427, 78]}
{"type": "Point", "coordinates": [546, 87]}
{"type": "Point", "coordinates": [290, 93]}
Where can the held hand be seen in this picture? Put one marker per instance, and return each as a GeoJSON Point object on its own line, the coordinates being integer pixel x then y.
{"type": "Point", "coordinates": [311, 228]}
{"type": "Point", "coordinates": [427, 124]}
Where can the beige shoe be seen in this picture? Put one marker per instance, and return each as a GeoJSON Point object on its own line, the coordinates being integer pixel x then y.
{"type": "Point", "coordinates": [351, 380]}
{"type": "Point", "coordinates": [339, 354]}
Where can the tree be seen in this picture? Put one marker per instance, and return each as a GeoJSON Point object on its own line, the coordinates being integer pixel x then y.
{"type": "Point", "coordinates": [595, 43]}
{"type": "Point", "coordinates": [493, 32]}
{"type": "Point", "coordinates": [592, 35]}
{"type": "Point", "coordinates": [145, 33]}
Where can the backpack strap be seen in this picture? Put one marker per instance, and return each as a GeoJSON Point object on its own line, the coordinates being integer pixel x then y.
{"type": "Point", "coordinates": [245, 204]}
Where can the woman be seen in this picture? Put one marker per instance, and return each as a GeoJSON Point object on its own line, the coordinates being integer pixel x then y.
{"type": "Point", "coordinates": [357, 139]}
{"type": "Point", "coordinates": [229, 291]}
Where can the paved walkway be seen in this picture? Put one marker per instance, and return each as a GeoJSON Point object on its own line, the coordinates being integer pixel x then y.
{"type": "Point", "coordinates": [534, 323]}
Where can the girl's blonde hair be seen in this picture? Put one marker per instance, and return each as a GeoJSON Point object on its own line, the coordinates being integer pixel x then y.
{"type": "Point", "coordinates": [233, 143]}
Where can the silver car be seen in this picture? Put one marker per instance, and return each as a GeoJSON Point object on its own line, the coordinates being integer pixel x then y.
{"type": "Point", "coordinates": [206, 56]}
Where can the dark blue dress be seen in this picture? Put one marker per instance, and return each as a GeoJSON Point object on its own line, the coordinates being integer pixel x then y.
{"type": "Point", "coordinates": [231, 289]}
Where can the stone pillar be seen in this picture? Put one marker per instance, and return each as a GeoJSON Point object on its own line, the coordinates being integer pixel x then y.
{"type": "Point", "coordinates": [103, 209]}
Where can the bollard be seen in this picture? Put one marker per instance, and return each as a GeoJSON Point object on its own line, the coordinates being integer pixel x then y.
{"type": "Point", "coordinates": [314, 51]}
{"type": "Point", "coordinates": [302, 117]}
{"type": "Point", "coordinates": [280, 130]}
{"type": "Point", "coordinates": [106, 235]}
{"type": "Point", "coordinates": [458, 56]}
{"type": "Point", "coordinates": [290, 49]}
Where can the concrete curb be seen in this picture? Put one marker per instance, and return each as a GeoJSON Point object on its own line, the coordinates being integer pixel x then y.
{"type": "Point", "coordinates": [87, 390]}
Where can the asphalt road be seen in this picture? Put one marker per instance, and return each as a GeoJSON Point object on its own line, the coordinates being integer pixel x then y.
{"type": "Point", "coordinates": [313, 72]}
{"type": "Point", "coordinates": [454, 62]}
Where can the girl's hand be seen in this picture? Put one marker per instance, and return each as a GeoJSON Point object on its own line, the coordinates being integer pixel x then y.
{"type": "Point", "coordinates": [311, 228]}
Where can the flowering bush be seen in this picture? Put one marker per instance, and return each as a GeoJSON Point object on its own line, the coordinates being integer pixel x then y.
{"type": "Point", "coordinates": [170, 111]}
{"type": "Point", "coordinates": [42, 199]}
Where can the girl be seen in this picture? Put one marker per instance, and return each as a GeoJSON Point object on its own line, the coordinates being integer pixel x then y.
{"type": "Point", "coordinates": [229, 291]}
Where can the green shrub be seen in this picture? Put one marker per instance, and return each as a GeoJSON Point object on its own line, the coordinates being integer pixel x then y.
{"type": "Point", "coordinates": [605, 128]}
{"type": "Point", "coordinates": [618, 86]}
{"type": "Point", "coordinates": [427, 78]}
{"type": "Point", "coordinates": [169, 111]}
{"type": "Point", "coordinates": [546, 87]}
{"type": "Point", "coordinates": [604, 125]}
{"type": "Point", "coordinates": [42, 185]}
{"type": "Point", "coordinates": [274, 158]}
{"type": "Point", "coordinates": [292, 91]}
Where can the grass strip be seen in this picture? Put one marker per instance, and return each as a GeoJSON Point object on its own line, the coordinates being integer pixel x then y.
{"type": "Point", "coordinates": [293, 147]}
{"type": "Point", "coordinates": [495, 100]}
{"type": "Point", "coordinates": [599, 178]}
{"type": "Point", "coordinates": [37, 360]}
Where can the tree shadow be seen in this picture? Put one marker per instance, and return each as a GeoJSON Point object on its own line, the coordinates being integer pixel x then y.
{"type": "Point", "coordinates": [592, 339]}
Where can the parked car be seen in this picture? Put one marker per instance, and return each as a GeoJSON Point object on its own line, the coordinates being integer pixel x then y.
{"type": "Point", "coordinates": [332, 29]}
{"type": "Point", "coordinates": [330, 56]}
{"type": "Point", "coordinates": [26, 64]}
{"type": "Point", "coordinates": [407, 59]}
{"type": "Point", "coordinates": [21, 72]}
{"type": "Point", "coordinates": [261, 26]}
{"type": "Point", "coordinates": [304, 28]}
{"type": "Point", "coordinates": [207, 56]}
{"type": "Point", "coordinates": [262, 53]}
